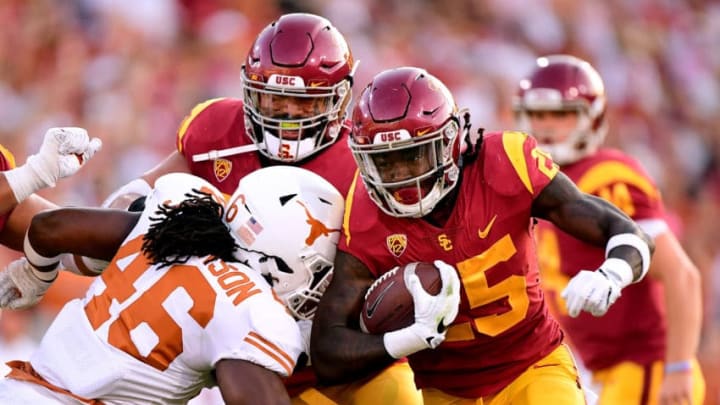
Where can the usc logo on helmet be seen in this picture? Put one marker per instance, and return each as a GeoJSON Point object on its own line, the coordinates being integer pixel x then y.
{"type": "Point", "coordinates": [222, 168]}
{"type": "Point", "coordinates": [396, 244]}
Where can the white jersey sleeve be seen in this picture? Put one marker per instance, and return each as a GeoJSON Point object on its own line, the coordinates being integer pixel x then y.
{"type": "Point", "coordinates": [260, 330]}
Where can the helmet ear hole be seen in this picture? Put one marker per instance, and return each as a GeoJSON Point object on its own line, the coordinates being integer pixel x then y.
{"type": "Point", "coordinates": [289, 232]}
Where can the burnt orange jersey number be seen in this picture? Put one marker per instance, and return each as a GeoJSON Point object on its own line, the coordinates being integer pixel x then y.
{"type": "Point", "coordinates": [145, 309]}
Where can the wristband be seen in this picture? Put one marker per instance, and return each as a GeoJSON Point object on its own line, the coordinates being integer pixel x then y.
{"type": "Point", "coordinates": [35, 258]}
{"type": "Point", "coordinates": [403, 342]}
{"type": "Point", "coordinates": [46, 276]}
{"type": "Point", "coordinates": [678, 366]}
{"type": "Point", "coordinates": [630, 239]}
{"type": "Point", "coordinates": [23, 181]}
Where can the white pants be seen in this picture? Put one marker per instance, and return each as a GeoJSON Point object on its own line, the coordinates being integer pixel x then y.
{"type": "Point", "coordinates": [17, 392]}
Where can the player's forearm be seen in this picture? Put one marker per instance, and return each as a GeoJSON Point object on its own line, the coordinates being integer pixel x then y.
{"type": "Point", "coordinates": [342, 355]}
{"type": "Point", "coordinates": [683, 296]}
{"type": "Point", "coordinates": [683, 303]}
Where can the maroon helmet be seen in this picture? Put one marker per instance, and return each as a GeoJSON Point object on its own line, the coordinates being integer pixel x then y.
{"type": "Point", "coordinates": [297, 83]}
{"type": "Point", "coordinates": [406, 140]}
{"type": "Point", "coordinates": [565, 83]}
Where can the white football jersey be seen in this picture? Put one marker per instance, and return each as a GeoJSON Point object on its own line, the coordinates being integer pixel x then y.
{"type": "Point", "coordinates": [144, 334]}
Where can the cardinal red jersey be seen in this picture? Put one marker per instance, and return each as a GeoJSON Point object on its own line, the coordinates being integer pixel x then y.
{"type": "Point", "coordinates": [220, 124]}
{"type": "Point", "coordinates": [503, 326]}
{"type": "Point", "coordinates": [634, 327]}
{"type": "Point", "coordinates": [7, 162]}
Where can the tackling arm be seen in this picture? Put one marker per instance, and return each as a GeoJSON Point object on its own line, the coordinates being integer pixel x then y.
{"type": "Point", "coordinates": [242, 382]}
{"type": "Point", "coordinates": [92, 232]}
{"type": "Point", "coordinates": [337, 320]}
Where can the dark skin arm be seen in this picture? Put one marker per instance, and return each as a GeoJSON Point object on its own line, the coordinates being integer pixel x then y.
{"type": "Point", "coordinates": [336, 320]}
{"type": "Point", "coordinates": [13, 234]}
{"type": "Point", "coordinates": [588, 218]}
{"type": "Point", "coordinates": [243, 382]}
{"type": "Point", "coordinates": [92, 232]}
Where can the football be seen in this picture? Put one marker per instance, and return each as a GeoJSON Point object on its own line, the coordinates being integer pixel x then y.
{"type": "Point", "coordinates": [388, 304]}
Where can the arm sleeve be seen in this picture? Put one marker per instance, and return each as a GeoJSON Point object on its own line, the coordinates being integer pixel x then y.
{"type": "Point", "coordinates": [260, 330]}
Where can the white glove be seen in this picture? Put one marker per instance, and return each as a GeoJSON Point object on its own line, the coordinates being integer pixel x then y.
{"type": "Point", "coordinates": [22, 286]}
{"type": "Point", "coordinates": [433, 314]}
{"type": "Point", "coordinates": [595, 291]}
{"type": "Point", "coordinates": [63, 152]}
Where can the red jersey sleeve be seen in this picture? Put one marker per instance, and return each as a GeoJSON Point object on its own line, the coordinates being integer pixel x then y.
{"type": "Point", "coordinates": [217, 124]}
{"type": "Point", "coordinates": [518, 153]}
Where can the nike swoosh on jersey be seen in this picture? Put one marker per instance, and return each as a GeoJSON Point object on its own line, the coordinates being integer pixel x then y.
{"type": "Point", "coordinates": [373, 306]}
{"type": "Point", "coordinates": [483, 233]}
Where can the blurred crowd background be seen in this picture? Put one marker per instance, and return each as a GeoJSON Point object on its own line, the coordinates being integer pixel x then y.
{"type": "Point", "coordinates": [129, 70]}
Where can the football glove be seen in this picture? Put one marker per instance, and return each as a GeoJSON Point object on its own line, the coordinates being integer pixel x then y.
{"type": "Point", "coordinates": [433, 314]}
{"type": "Point", "coordinates": [22, 286]}
{"type": "Point", "coordinates": [63, 152]}
{"type": "Point", "coordinates": [595, 291]}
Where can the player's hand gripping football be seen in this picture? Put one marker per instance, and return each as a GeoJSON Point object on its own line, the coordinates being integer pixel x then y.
{"type": "Point", "coordinates": [595, 291]}
{"type": "Point", "coordinates": [63, 152]}
{"type": "Point", "coordinates": [433, 314]}
{"type": "Point", "coordinates": [22, 286]}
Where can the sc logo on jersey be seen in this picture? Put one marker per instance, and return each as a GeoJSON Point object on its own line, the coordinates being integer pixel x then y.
{"type": "Point", "coordinates": [445, 242]}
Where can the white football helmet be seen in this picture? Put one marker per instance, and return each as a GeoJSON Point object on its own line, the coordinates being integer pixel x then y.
{"type": "Point", "coordinates": [170, 189]}
{"type": "Point", "coordinates": [287, 221]}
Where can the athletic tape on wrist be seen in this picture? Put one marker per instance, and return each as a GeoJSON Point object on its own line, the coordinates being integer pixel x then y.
{"type": "Point", "coordinates": [630, 239]}
{"type": "Point", "coordinates": [23, 182]}
{"type": "Point", "coordinates": [35, 258]}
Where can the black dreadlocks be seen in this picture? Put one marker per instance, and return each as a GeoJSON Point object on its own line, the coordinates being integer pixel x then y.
{"type": "Point", "coordinates": [192, 228]}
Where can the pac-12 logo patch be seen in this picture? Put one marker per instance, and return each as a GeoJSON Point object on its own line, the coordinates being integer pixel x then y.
{"type": "Point", "coordinates": [222, 168]}
{"type": "Point", "coordinates": [396, 243]}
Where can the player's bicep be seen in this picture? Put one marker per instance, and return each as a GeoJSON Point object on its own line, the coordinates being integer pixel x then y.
{"type": "Point", "coordinates": [242, 382]}
{"type": "Point", "coordinates": [88, 232]}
